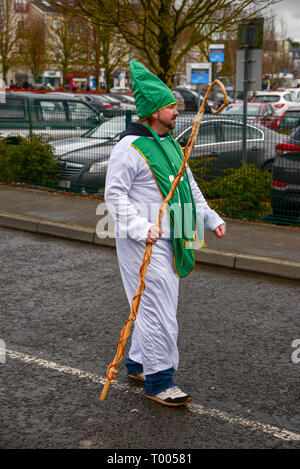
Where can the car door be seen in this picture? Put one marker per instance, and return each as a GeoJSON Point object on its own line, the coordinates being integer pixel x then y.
{"type": "Point", "coordinates": [230, 137]}
{"type": "Point", "coordinates": [49, 118]}
{"type": "Point", "coordinates": [206, 147]}
{"type": "Point", "coordinates": [231, 154]}
{"type": "Point", "coordinates": [59, 118]}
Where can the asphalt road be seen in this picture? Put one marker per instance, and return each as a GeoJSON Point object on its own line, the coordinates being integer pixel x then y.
{"type": "Point", "coordinates": [63, 307]}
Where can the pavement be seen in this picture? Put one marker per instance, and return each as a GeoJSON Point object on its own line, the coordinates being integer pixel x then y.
{"type": "Point", "coordinates": [255, 247]}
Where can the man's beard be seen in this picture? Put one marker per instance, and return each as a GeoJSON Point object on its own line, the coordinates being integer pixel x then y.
{"type": "Point", "coordinates": [170, 125]}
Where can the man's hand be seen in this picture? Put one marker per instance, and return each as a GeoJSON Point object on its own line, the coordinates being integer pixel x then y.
{"type": "Point", "coordinates": [220, 231]}
{"type": "Point", "coordinates": [153, 234]}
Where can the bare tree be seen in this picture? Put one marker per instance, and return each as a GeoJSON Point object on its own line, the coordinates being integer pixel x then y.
{"type": "Point", "coordinates": [105, 49]}
{"type": "Point", "coordinates": [276, 52]}
{"type": "Point", "coordinates": [9, 37]}
{"type": "Point", "coordinates": [157, 30]}
{"type": "Point", "coordinates": [65, 37]}
{"type": "Point", "coordinates": [34, 49]}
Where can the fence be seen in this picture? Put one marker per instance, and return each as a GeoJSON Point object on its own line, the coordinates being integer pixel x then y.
{"type": "Point", "coordinates": [261, 183]}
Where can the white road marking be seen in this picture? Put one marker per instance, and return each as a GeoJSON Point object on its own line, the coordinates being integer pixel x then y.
{"type": "Point", "coordinates": [198, 409]}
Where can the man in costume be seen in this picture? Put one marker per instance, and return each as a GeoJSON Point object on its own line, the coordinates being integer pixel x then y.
{"type": "Point", "coordinates": [141, 169]}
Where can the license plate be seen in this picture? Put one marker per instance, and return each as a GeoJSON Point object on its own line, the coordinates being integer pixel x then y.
{"type": "Point", "coordinates": [65, 184]}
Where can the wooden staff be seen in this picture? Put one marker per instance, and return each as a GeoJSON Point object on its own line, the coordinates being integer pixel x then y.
{"type": "Point", "coordinates": [112, 368]}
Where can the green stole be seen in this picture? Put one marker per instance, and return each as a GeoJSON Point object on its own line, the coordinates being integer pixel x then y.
{"type": "Point", "coordinates": [164, 158]}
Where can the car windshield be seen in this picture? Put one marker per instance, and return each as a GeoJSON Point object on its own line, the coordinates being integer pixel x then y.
{"type": "Point", "coordinates": [266, 98]}
{"type": "Point", "coordinates": [238, 110]}
{"type": "Point", "coordinates": [108, 130]}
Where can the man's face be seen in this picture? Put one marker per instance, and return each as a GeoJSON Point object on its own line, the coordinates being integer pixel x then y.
{"type": "Point", "coordinates": [167, 117]}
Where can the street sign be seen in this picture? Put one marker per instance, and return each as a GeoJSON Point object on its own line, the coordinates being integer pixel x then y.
{"type": "Point", "coordinates": [216, 53]}
{"type": "Point", "coordinates": [251, 34]}
{"type": "Point", "coordinates": [199, 73]}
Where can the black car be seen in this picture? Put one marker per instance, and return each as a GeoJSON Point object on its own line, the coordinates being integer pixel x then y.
{"type": "Point", "coordinates": [285, 188]}
{"type": "Point", "coordinates": [190, 99]}
{"type": "Point", "coordinates": [83, 161]}
{"type": "Point", "coordinates": [289, 120]}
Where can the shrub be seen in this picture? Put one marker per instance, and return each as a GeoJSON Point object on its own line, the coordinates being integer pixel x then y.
{"type": "Point", "coordinates": [31, 161]}
{"type": "Point", "coordinates": [242, 192]}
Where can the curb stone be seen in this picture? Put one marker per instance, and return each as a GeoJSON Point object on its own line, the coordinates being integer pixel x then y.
{"type": "Point", "coordinates": [236, 261]}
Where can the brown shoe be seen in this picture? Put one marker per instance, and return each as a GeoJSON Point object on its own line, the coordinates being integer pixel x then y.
{"type": "Point", "coordinates": [139, 377]}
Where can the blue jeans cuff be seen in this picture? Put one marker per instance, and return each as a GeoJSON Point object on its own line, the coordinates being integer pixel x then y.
{"type": "Point", "coordinates": [158, 382]}
{"type": "Point", "coordinates": [133, 368]}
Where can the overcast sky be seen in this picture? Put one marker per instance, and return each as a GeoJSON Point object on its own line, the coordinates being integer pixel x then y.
{"type": "Point", "coordinates": [289, 10]}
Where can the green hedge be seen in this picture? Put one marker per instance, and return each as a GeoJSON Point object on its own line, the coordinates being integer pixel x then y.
{"type": "Point", "coordinates": [29, 160]}
{"type": "Point", "coordinates": [243, 192]}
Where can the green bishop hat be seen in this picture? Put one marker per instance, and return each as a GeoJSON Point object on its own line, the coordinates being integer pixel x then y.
{"type": "Point", "coordinates": [149, 92]}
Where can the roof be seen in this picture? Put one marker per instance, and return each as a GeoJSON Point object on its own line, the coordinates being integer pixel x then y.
{"type": "Point", "coordinates": [44, 96]}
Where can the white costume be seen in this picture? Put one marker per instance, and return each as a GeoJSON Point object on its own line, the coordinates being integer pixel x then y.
{"type": "Point", "coordinates": [130, 192]}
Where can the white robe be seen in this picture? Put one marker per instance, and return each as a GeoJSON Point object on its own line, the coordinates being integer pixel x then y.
{"type": "Point", "coordinates": [130, 193]}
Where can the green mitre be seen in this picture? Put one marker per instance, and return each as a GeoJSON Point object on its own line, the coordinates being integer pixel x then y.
{"type": "Point", "coordinates": [149, 92]}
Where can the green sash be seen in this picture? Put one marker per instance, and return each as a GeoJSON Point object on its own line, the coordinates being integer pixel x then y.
{"type": "Point", "coordinates": [165, 158]}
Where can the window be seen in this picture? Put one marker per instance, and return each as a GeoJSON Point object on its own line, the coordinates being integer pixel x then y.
{"type": "Point", "coordinates": [254, 134]}
{"type": "Point", "coordinates": [51, 111]}
{"type": "Point", "coordinates": [12, 109]}
{"type": "Point", "coordinates": [206, 135]}
{"type": "Point", "coordinates": [80, 112]}
{"type": "Point", "coordinates": [232, 132]}
{"type": "Point", "coordinates": [266, 98]}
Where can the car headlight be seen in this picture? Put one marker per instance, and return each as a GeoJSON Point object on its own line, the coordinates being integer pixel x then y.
{"type": "Point", "coordinates": [99, 167]}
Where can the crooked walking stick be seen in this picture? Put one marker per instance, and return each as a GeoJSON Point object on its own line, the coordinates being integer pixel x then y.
{"type": "Point", "coordinates": [112, 368]}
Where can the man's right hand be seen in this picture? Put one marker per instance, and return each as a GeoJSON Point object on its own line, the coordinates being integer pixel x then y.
{"type": "Point", "coordinates": [153, 234]}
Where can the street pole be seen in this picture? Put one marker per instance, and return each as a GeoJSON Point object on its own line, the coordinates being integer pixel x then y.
{"type": "Point", "coordinates": [245, 99]}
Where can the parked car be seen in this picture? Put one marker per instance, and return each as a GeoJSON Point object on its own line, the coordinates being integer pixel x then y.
{"type": "Point", "coordinates": [109, 107]}
{"type": "Point", "coordinates": [220, 141]}
{"type": "Point", "coordinates": [118, 89]}
{"type": "Point", "coordinates": [295, 92]}
{"type": "Point", "coordinates": [125, 101]}
{"type": "Point", "coordinates": [83, 161]}
{"type": "Point", "coordinates": [46, 114]}
{"type": "Point", "coordinates": [100, 101]}
{"type": "Point", "coordinates": [280, 100]}
{"type": "Point", "coordinates": [285, 185]}
{"type": "Point", "coordinates": [260, 113]}
{"type": "Point", "coordinates": [179, 101]}
{"type": "Point", "coordinates": [290, 119]}
{"type": "Point", "coordinates": [191, 98]}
